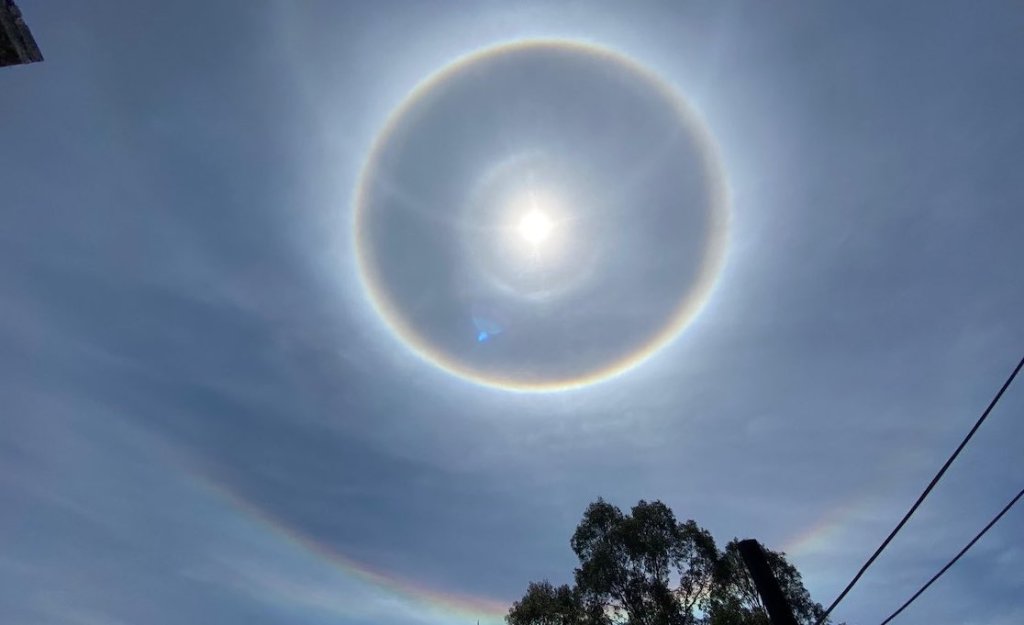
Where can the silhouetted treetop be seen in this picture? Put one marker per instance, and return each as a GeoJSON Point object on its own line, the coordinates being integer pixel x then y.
{"type": "Point", "coordinates": [647, 568]}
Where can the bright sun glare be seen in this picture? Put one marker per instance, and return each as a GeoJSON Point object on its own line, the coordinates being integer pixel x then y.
{"type": "Point", "coordinates": [535, 226]}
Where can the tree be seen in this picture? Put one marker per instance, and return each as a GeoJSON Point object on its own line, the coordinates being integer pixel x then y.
{"type": "Point", "coordinates": [647, 568]}
{"type": "Point", "coordinates": [545, 604]}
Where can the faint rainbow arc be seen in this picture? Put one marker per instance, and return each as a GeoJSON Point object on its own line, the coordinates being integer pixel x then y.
{"type": "Point", "coordinates": [468, 607]}
{"type": "Point", "coordinates": [828, 527]}
{"type": "Point", "coordinates": [691, 304]}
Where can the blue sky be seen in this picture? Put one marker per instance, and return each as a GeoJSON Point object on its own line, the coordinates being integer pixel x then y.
{"type": "Point", "coordinates": [206, 421]}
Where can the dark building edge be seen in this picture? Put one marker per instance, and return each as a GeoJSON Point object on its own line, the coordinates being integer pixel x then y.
{"type": "Point", "coordinates": [17, 45]}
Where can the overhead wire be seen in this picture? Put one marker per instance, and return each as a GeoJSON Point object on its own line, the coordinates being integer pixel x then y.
{"type": "Point", "coordinates": [924, 493]}
{"type": "Point", "coordinates": [955, 558]}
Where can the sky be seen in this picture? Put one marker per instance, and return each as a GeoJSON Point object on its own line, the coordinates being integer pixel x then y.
{"type": "Point", "coordinates": [277, 347]}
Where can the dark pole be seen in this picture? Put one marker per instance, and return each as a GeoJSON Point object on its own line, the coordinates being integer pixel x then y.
{"type": "Point", "coordinates": [767, 586]}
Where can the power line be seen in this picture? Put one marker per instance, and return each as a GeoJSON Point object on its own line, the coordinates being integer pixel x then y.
{"type": "Point", "coordinates": [955, 558]}
{"type": "Point", "coordinates": [921, 497]}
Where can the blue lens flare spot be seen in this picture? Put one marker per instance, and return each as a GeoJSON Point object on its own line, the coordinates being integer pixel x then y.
{"type": "Point", "coordinates": [486, 328]}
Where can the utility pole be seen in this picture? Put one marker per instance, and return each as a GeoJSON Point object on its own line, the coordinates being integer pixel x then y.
{"type": "Point", "coordinates": [767, 586]}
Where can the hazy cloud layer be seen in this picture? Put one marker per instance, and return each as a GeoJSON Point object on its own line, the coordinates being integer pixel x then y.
{"type": "Point", "coordinates": [204, 421]}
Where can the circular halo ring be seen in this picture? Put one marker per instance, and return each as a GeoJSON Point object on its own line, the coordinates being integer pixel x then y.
{"type": "Point", "coordinates": [691, 302]}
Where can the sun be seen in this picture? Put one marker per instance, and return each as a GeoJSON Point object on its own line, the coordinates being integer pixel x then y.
{"type": "Point", "coordinates": [535, 227]}
{"type": "Point", "coordinates": [534, 218]}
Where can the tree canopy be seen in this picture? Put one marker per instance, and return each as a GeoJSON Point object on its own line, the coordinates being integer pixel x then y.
{"type": "Point", "coordinates": [647, 568]}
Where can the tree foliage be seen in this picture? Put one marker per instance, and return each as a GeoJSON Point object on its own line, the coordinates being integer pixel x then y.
{"type": "Point", "coordinates": [647, 568]}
